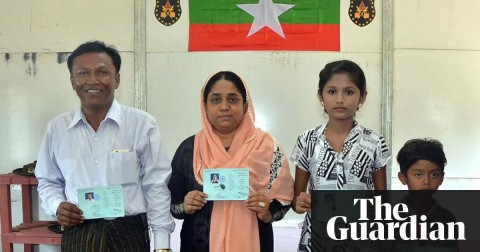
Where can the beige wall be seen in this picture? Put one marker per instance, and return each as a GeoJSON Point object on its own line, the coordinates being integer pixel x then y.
{"type": "Point", "coordinates": [435, 71]}
{"type": "Point", "coordinates": [33, 72]}
{"type": "Point", "coordinates": [34, 78]}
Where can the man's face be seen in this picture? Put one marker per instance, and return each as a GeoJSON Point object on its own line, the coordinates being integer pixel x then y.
{"type": "Point", "coordinates": [95, 79]}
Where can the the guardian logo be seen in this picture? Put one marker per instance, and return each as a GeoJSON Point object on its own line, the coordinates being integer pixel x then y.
{"type": "Point", "coordinates": [391, 223]}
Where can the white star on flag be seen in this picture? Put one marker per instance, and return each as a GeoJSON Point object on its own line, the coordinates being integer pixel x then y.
{"type": "Point", "coordinates": [265, 13]}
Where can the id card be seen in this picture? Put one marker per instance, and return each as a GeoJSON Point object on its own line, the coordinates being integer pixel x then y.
{"type": "Point", "coordinates": [101, 202]}
{"type": "Point", "coordinates": [226, 183]}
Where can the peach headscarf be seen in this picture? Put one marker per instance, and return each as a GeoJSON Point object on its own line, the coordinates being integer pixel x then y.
{"type": "Point", "coordinates": [233, 227]}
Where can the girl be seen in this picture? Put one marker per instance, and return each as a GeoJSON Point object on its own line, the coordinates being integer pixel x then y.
{"type": "Point", "coordinates": [340, 154]}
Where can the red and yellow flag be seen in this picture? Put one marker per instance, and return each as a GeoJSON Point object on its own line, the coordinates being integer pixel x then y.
{"type": "Point", "coordinates": [226, 25]}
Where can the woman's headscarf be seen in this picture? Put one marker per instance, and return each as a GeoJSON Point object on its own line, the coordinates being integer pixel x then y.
{"type": "Point", "coordinates": [234, 227]}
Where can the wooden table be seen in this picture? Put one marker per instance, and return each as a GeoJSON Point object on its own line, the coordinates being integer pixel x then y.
{"type": "Point", "coordinates": [29, 232]}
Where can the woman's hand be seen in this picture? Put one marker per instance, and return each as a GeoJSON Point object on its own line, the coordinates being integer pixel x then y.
{"type": "Point", "coordinates": [69, 215]}
{"type": "Point", "coordinates": [302, 203]}
{"type": "Point", "coordinates": [260, 203]}
{"type": "Point", "coordinates": [194, 201]}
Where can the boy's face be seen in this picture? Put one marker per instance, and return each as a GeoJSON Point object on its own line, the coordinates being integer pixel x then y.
{"type": "Point", "coordinates": [422, 175]}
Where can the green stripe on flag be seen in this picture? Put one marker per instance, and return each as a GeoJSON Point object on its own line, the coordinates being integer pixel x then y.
{"type": "Point", "coordinates": [227, 12]}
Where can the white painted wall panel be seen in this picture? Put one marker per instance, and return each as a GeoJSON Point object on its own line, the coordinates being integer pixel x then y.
{"type": "Point", "coordinates": [435, 96]}
{"type": "Point", "coordinates": [437, 24]}
{"type": "Point", "coordinates": [33, 92]}
{"type": "Point", "coordinates": [59, 25]}
{"type": "Point", "coordinates": [35, 89]}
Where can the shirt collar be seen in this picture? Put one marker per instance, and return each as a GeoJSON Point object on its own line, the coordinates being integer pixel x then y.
{"type": "Point", "coordinates": [114, 113]}
{"type": "Point", "coordinates": [355, 131]}
{"type": "Point", "coordinates": [356, 128]}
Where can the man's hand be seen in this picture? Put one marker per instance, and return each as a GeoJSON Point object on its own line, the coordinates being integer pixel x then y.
{"type": "Point", "coordinates": [69, 215]}
{"type": "Point", "coordinates": [194, 201]}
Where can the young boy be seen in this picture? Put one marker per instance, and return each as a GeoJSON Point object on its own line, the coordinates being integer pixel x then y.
{"type": "Point", "coordinates": [422, 163]}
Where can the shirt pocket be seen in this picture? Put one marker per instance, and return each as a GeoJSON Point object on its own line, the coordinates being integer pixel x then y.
{"type": "Point", "coordinates": [124, 168]}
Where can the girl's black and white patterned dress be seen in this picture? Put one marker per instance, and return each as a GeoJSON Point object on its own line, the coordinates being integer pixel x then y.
{"type": "Point", "coordinates": [363, 153]}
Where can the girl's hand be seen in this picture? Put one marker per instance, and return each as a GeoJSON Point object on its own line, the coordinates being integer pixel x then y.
{"type": "Point", "coordinates": [194, 201]}
{"type": "Point", "coordinates": [302, 203]}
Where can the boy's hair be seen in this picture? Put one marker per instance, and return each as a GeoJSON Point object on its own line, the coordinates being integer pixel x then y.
{"type": "Point", "coordinates": [421, 149]}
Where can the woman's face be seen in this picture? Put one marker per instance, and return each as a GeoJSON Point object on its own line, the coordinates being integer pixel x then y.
{"type": "Point", "coordinates": [225, 107]}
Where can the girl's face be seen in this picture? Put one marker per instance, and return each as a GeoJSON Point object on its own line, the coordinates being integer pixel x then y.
{"type": "Point", "coordinates": [341, 97]}
{"type": "Point", "coordinates": [225, 107]}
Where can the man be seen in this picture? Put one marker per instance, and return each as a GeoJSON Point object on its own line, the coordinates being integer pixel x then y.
{"type": "Point", "coordinates": [100, 144]}
{"type": "Point", "coordinates": [90, 197]}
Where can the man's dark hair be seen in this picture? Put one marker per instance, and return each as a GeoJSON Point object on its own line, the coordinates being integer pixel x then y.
{"type": "Point", "coordinates": [97, 47]}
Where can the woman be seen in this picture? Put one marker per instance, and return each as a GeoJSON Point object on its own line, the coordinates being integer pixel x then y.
{"type": "Point", "coordinates": [340, 154]}
{"type": "Point", "coordinates": [229, 139]}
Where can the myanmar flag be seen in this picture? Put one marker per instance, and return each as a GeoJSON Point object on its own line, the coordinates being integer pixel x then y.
{"type": "Point", "coordinates": [226, 25]}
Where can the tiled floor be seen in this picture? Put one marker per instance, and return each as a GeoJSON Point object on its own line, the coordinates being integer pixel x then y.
{"type": "Point", "coordinates": [286, 238]}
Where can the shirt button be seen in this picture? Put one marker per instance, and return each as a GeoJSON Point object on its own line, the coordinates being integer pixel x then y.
{"type": "Point", "coordinates": [96, 138]}
{"type": "Point", "coordinates": [96, 161]}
